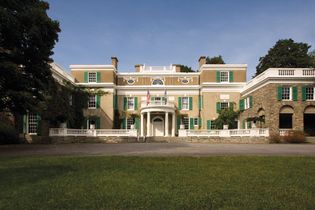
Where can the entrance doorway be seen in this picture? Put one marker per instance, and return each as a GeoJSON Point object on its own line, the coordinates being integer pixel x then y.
{"type": "Point", "coordinates": [158, 126]}
{"type": "Point", "coordinates": [309, 121]}
{"type": "Point", "coordinates": [286, 117]}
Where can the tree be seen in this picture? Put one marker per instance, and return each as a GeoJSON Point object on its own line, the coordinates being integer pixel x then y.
{"type": "Point", "coordinates": [185, 69]}
{"type": "Point", "coordinates": [226, 117]}
{"type": "Point", "coordinates": [285, 54]}
{"type": "Point", "coordinates": [215, 60]}
{"type": "Point", "coordinates": [27, 37]}
{"type": "Point", "coordinates": [312, 54]}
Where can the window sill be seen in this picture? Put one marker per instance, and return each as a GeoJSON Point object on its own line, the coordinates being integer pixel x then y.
{"type": "Point", "coordinates": [91, 107]}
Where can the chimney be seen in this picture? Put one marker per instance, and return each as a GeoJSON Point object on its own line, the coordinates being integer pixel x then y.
{"type": "Point", "coordinates": [115, 62]}
{"type": "Point", "coordinates": [177, 67]}
{"type": "Point", "coordinates": [138, 66]}
{"type": "Point", "coordinates": [202, 60]}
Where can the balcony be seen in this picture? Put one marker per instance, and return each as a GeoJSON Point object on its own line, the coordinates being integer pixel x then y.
{"type": "Point", "coordinates": [162, 103]}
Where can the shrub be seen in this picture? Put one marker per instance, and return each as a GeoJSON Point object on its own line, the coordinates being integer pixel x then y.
{"type": "Point", "coordinates": [274, 138]}
{"type": "Point", "coordinates": [8, 134]}
{"type": "Point", "coordinates": [295, 137]}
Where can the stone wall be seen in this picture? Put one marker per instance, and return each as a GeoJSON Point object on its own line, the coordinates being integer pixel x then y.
{"type": "Point", "coordinates": [266, 98]}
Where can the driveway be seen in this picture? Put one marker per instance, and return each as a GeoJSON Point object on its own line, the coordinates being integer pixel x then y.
{"type": "Point", "coordinates": [159, 149]}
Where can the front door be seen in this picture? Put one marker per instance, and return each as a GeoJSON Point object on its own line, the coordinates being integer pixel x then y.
{"type": "Point", "coordinates": [158, 127]}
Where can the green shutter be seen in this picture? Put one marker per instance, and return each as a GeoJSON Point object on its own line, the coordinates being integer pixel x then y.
{"type": "Point", "coordinates": [218, 107]}
{"type": "Point", "coordinates": [98, 101]}
{"type": "Point", "coordinates": [152, 98]}
{"type": "Point", "coordinates": [97, 123]}
{"type": "Point", "coordinates": [179, 103]}
{"type": "Point", "coordinates": [191, 123]}
{"type": "Point", "coordinates": [279, 93]}
{"type": "Point", "coordinates": [242, 105]}
{"type": "Point", "coordinates": [84, 123]}
{"type": "Point", "coordinates": [218, 76]}
{"type": "Point", "coordinates": [86, 77]}
{"type": "Point", "coordinates": [190, 103]}
{"type": "Point", "coordinates": [136, 103]}
{"type": "Point", "coordinates": [304, 93]}
{"type": "Point", "coordinates": [178, 121]}
{"type": "Point", "coordinates": [231, 75]}
{"type": "Point", "coordinates": [199, 122]}
{"type": "Point", "coordinates": [125, 103]}
{"type": "Point", "coordinates": [123, 123]}
{"type": "Point", "coordinates": [39, 125]}
{"type": "Point", "coordinates": [208, 124]}
{"type": "Point", "coordinates": [243, 124]}
{"type": "Point", "coordinates": [25, 123]}
{"type": "Point", "coordinates": [231, 104]}
{"type": "Point", "coordinates": [98, 77]}
{"type": "Point", "coordinates": [250, 101]}
{"type": "Point", "coordinates": [115, 102]}
{"type": "Point", "coordinates": [137, 123]}
{"type": "Point", "coordinates": [294, 93]}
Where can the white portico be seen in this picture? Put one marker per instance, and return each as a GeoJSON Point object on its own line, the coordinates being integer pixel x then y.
{"type": "Point", "coordinates": [157, 118]}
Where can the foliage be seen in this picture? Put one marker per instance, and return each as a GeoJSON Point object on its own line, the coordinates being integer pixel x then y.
{"type": "Point", "coordinates": [226, 117]}
{"type": "Point", "coordinates": [65, 104]}
{"type": "Point", "coordinates": [215, 60]}
{"type": "Point", "coordinates": [8, 134]}
{"type": "Point", "coordinates": [186, 69]}
{"type": "Point", "coordinates": [285, 54]}
{"type": "Point", "coordinates": [274, 138]}
{"type": "Point", "coordinates": [295, 136]}
{"type": "Point", "coordinates": [27, 37]}
{"type": "Point", "coordinates": [312, 55]}
{"type": "Point", "coordinates": [98, 182]}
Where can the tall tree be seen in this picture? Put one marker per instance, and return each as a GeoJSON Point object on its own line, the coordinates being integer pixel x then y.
{"type": "Point", "coordinates": [312, 54]}
{"type": "Point", "coordinates": [27, 37]}
{"type": "Point", "coordinates": [215, 60]}
{"type": "Point", "coordinates": [285, 54]}
{"type": "Point", "coordinates": [186, 69]}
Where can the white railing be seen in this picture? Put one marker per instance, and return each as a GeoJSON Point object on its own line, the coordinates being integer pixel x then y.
{"type": "Point", "coordinates": [286, 72]}
{"type": "Point", "coordinates": [92, 132]}
{"type": "Point", "coordinates": [226, 133]}
{"type": "Point", "coordinates": [308, 72]}
{"type": "Point", "coordinates": [144, 103]}
{"type": "Point", "coordinates": [157, 68]}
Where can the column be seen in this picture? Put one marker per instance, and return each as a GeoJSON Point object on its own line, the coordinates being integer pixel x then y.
{"type": "Point", "coordinates": [148, 124]}
{"type": "Point", "coordinates": [173, 124]}
{"type": "Point", "coordinates": [142, 124]}
{"type": "Point", "coordinates": [166, 124]}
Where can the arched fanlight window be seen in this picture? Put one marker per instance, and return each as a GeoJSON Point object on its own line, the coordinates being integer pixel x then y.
{"type": "Point", "coordinates": [130, 81]}
{"type": "Point", "coordinates": [157, 82]}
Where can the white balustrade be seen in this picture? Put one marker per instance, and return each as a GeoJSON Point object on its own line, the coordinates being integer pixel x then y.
{"type": "Point", "coordinates": [92, 132]}
{"type": "Point", "coordinates": [226, 133]}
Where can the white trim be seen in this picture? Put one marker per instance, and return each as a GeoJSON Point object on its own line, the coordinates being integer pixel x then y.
{"type": "Point", "coordinates": [91, 67]}
{"type": "Point", "coordinates": [170, 74]}
{"type": "Point", "coordinates": [143, 92]}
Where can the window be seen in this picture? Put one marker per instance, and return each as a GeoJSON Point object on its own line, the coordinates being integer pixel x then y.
{"type": "Point", "coordinates": [130, 81]}
{"type": "Point", "coordinates": [212, 125]}
{"type": "Point", "coordinates": [130, 121]}
{"type": "Point", "coordinates": [224, 105]}
{"type": "Point", "coordinates": [186, 122]}
{"type": "Point", "coordinates": [130, 103]}
{"type": "Point", "coordinates": [309, 93]}
{"type": "Point", "coordinates": [286, 93]}
{"type": "Point", "coordinates": [92, 77]}
{"type": "Point", "coordinates": [32, 123]}
{"type": "Point", "coordinates": [157, 82]}
{"type": "Point", "coordinates": [224, 76]}
{"type": "Point", "coordinates": [92, 102]}
{"type": "Point", "coordinates": [196, 123]}
{"type": "Point", "coordinates": [185, 103]}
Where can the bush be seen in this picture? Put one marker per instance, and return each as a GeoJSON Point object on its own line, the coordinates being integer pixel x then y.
{"type": "Point", "coordinates": [295, 137]}
{"type": "Point", "coordinates": [274, 138]}
{"type": "Point", "coordinates": [8, 134]}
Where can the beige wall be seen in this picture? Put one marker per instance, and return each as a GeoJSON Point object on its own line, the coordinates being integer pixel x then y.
{"type": "Point", "coordinates": [106, 76]}
{"type": "Point", "coordinates": [140, 80]}
{"type": "Point", "coordinates": [210, 76]}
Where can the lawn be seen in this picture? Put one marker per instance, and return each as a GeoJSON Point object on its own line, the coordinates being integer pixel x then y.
{"type": "Point", "coordinates": [157, 183]}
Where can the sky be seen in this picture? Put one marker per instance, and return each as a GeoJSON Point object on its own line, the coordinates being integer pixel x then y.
{"type": "Point", "coordinates": [164, 32]}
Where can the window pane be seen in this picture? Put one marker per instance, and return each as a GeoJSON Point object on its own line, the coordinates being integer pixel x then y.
{"type": "Point", "coordinates": [92, 102]}
{"type": "Point", "coordinates": [131, 103]}
{"type": "Point", "coordinates": [32, 123]}
{"type": "Point", "coordinates": [92, 77]}
{"type": "Point", "coordinates": [309, 93]}
{"type": "Point", "coordinates": [224, 105]}
{"type": "Point", "coordinates": [195, 121]}
{"type": "Point", "coordinates": [185, 103]}
{"type": "Point", "coordinates": [286, 93]}
{"type": "Point", "coordinates": [186, 122]}
{"type": "Point", "coordinates": [130, 121]}
{"type": "Point", "coordinates": [224, 76]}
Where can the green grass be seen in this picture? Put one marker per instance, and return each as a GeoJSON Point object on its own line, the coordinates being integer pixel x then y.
{"type": "Point", "coordinates": [157, 183]}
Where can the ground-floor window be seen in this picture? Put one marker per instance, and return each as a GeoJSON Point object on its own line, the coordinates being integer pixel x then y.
{"type": "Point", "coordinates": [185, 121]}
{"type": "Point", "coordinates": [309, 124]}
{"type": "Point", "coordinates": [32, 123]}
{"type": "Point", "coordinates": [285, 121]}
{"type": "Point", "coordinates": [130, 121]}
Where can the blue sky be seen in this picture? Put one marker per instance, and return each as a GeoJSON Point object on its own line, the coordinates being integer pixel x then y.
{"type": "Point", "coordinates": [177, 31]}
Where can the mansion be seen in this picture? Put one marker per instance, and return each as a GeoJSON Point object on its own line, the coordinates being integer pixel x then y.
{"type": "Point", "coordinates": [162, 100]}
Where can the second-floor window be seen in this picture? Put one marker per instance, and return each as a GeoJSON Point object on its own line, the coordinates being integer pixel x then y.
{"type": "Point", "coordinates": [224, 76]}
{"type": "Point", "coordinates": [309, 93]}
{"type": "Point", "coordinates": [92, 102]}
{"type": "Point", "coordinates": [130, 103]}
{"type": "Point", "coordinates": [286, 93]}
{"type": "Point", "coordinates": [92, 76]}
{"type": "Point", "coordinates": [224, 105]}
{"type": "Point", "coordinates": [185, 103]}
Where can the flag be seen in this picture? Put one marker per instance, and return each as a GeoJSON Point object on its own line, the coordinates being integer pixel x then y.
{"type": "Point", "coordinates": [148, 97]}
